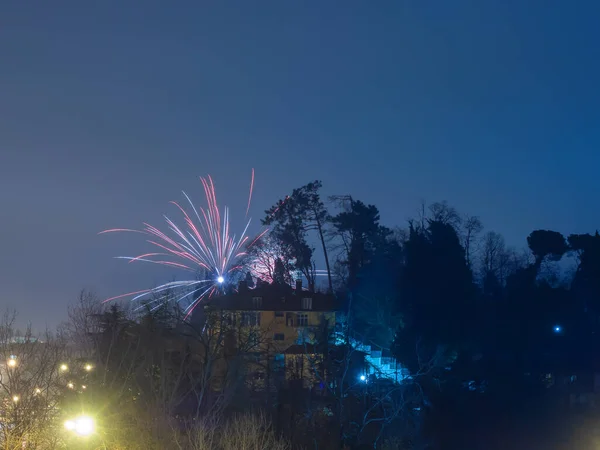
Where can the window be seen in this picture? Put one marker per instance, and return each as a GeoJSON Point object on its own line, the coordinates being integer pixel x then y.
{"type": "Point", "coordinates": [278, 337]}
{"type": "Point", "coordinates": [278, 313]}
{"type": "Point", "coordinates": [301, 320]}
{"type": "Point", "coordinates": [289, 319]}
{"type": "Point", "coordinates": [229, 318]}
{"type": "Point", "coordinates": [250, 319]}
{"type": "Point", "coordinates": [257, 302]}
{"type": "Point", "coordinates": [307, 303]}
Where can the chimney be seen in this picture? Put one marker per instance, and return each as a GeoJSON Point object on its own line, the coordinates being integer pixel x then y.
{"type": "Point", "coordinates": [299, 285]}
{"type": "Point", "coordinates": [243, 286]}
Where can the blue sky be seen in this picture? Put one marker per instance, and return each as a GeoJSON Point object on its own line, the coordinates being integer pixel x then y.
{"type": "Point", "coordinates": [107, 112]}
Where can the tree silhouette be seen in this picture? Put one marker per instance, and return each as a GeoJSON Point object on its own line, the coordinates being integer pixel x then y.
{"type": "Point", "coordinates": [262, 255]}
{"type": "Point", "coordinates": [437, 295]}
{"type": "Point", "coordinates": [360, 233]}
{"type": "Point", "coordinates": [546, 243]}
{"type": "Point", "coordinates": [586, 282]}
{"type": "Point", "coordinates": [293, 217]}
{"type": "Point", "coordinates": [249, 280]}
{"type": "Point", "coordinates": [290, 228]}
{"type": "Point", "coordinates": [279, 272]}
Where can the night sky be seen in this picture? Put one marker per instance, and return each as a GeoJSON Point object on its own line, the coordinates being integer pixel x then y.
{"type": "Point", "coordinates": [108, 111]}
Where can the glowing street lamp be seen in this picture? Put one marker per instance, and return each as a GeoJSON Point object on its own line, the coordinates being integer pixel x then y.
{"type": "Point", "coordinates": [220, 279]}
{"type": "Point", "coordinates": [81, 426]}
{"type": "Point", "coordinates": [70, 385]}
{"type": "Point", "coordinates": [11, 363]}
{"type": "Point", "coordinates": [88, 367]}
{"type": "Point", "coordinates": [63, 368]}
{"type": "Point", "coordinates": [16, 398]}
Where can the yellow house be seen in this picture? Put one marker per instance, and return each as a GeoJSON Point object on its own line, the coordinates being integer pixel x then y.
{"type": "Point", "coordinates": [278, 325]}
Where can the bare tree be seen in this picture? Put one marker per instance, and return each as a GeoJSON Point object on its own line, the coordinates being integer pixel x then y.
{"type": "Point", "coordinates": [247, 431]}
{"type": "Point", "coordinates": [155, 372]}
{"type": "Point", "coordinates": [497, 260]}
{"type": "Point", "coordinates": [262, 258]}
{"type": "Point", "coordinates": [82, 325]}
{"type": "Point", "coordinates": [366, 404]}
{"type": "Point", "coordinates": [31, 387]}
{"type": "Point", "coordinates": [471, 227]}
{"type": "Point", "coordinates": [444, 213]}
{"type": "Point", "coordinates": [494, 252]}
{"type": "Point", "coordinates": [233, 352]}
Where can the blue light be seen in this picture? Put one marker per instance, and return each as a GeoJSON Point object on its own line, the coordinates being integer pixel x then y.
{"type": "Point", "coordinates": [220, 280]}
{"type": "Point", "coordinates": [363, 378]}
{"type": "Point", "coordinates": [557, 328]}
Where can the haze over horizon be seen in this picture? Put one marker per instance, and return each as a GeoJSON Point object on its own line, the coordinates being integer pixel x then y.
{"type": "Point", "coordinates": [108, 111]}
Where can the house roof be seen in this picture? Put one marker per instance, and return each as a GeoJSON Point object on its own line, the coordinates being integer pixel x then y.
{"type": "Point", "coordinates": [298, 349]}
{"type": "Point", "coordinates": [273, 298]}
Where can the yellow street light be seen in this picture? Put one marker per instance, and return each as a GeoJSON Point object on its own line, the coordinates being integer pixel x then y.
{"type": "Point", "coordinates": [16, 398]}
{"type": "Point", "coordinates": [82, 426]}
{"type": "Point", "coordinates": [12, 362]}
{"type": "Point", "coordinates": [64, 368]}
{"type": "Point", "coordinates": [38, 391]}
{"type": "Point", "coordinates": [83, 386]}
{"type": "Point", "coordinates": [88, 367]}
{"type": "Point", "coordinates": [70, 385]}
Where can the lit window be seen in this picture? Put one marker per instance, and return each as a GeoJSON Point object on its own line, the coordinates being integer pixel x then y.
{"type": "Point", "coordinates": [302, 320]}
{"type": "Point", "coordinates": [250, 319]}
{"type": "Point", "coordinates": [307, 303]}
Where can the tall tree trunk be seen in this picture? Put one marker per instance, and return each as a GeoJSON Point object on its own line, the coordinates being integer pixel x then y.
{"type": "Point", "coordinates": [320, 229]}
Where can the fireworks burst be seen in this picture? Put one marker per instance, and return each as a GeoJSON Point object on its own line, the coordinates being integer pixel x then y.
{"type": "Point", "coordinates": [204, 245]}
{"type": "Point", "coordinates": [262, 261]}
{"type": "Point", "coordinates": [263, 256]}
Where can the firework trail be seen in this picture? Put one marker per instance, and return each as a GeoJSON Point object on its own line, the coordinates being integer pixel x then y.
{"type": "Point", "coordinates": [250, 194]}
{"type": "Point", "coordinates": [205, 244]}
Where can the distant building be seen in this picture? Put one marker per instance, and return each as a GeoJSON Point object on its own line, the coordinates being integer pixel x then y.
{"type": "Point", "coordinates": [278, 325]}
